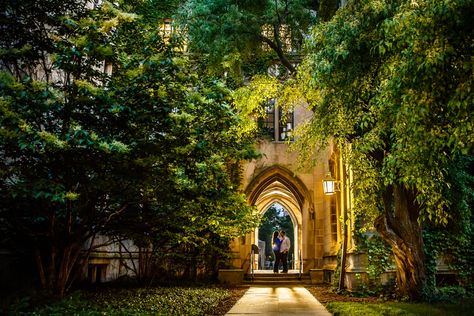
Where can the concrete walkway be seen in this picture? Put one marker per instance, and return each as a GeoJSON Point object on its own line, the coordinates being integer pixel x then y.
{"type": "Point", "coordinates": [278, 300]}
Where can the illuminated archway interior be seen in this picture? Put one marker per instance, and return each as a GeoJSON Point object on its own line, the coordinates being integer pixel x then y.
{"type": "Point", "coordinates": [275, 218]}
{"type": "Point", "coordinates": [278, 192]}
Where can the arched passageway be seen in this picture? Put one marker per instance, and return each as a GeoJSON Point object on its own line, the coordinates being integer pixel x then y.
{"type": "Point", "coordinates": [275, 219]}
{"type": "Point", "coordinates": [279, 186]}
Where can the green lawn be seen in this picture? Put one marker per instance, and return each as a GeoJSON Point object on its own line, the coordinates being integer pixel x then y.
{"type": "Point", "coordinates": [137, 301]}
{"type": "Point", "coordinates": [405, 309]}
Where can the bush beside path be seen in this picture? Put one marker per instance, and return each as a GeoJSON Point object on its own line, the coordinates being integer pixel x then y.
{"type": "Point", "coordinates": [175, 300]}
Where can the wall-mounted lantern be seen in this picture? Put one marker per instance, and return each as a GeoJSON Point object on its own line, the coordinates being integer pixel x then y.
{"type": "Point", "coordinates": [330, 185]}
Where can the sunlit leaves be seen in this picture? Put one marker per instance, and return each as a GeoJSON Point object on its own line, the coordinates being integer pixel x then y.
{"type": "Point", "coordinates": [251, 100]}
{"type": "Point", "coordinates": [391, 79]}
{"type": "Point", "coordinates": [149, 145]}
{"type": "Point", "coordinates": [260, 89]}
{"type": "Point", "coordinates": [231, 33]}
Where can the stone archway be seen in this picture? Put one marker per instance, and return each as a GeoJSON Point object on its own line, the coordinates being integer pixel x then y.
{"type": "Point", "coordinates": [277, 184]}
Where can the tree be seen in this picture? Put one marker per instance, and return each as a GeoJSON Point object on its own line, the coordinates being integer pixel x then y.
{"type": "Point", "coordinates": [256, 46]}
{"type": "Point", "coordinates": [392, 81]}
{"type": "Point", "coordinates": [194, 215]}
{"type": "Point", "coordinates": [52, 136]}
{"type": "Point", "coordinates": [327, 9]}
{"type": "Point", "coordinates": [235, 32]}
{"type": "Point", "coordinates": [146, 150]}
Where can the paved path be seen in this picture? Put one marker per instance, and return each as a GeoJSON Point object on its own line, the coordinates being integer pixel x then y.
{"type": "Point", "coordinates": [278, 300]}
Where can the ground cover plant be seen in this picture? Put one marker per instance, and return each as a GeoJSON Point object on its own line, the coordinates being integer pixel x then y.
{"type": "Point", "coordinates": [175, 300]}
{"type": "Point", "coordinates": [353, 303]}
{"type": "Point", "coordinates": [395, 308]}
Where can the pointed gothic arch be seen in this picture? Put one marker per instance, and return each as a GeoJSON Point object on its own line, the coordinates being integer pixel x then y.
{"type": "Point", "coordinates": [280, 174]}
{"type": "Point", "coordinates": [277, 184]}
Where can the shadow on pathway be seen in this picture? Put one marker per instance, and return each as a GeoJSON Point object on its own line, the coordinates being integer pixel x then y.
{"type": "Point", "coordinates": [278, 300]}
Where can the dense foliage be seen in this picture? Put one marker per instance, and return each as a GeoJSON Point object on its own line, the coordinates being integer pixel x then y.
{"type": "Point", "coordinates": [393, 81]}
{"type": "Point", "coordinates": [453, 243]}
{"type": "Point", "coordinates": [149, 149]}
{"type": "Point", "coordinates": [256, 46]}
{"type": "Point", "coordinates": [233, 32]}
{"type": "Point", "coordinates": [146, 151]}
{"type": "Point", "coordinates": [140, 301]}
{"type": "Point", "coordinates": [379, 256]}
{"type": "Point", "coordinates": [369, 81]}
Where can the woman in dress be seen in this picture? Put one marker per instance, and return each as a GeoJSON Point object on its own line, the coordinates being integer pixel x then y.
{"type": "Point", "coordinates": [276, 250]}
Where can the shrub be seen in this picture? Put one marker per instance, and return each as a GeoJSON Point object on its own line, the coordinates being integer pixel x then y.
{"type": "Point", "coordinates": [137, 301]}
{"type": "Point", "coordinates": [451, 294]}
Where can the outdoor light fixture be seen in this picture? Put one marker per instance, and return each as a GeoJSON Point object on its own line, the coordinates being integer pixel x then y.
{"type": "Point", "coordinates": [330, 185]}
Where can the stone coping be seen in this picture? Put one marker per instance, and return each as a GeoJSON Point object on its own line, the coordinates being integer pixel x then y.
{"type": "Point", "coordinates": [231, 276]}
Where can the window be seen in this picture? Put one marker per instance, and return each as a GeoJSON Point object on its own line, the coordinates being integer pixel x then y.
{"type": "Point", "coordinates": [108, 67]}
{"type": "Point", "coordinates": [267, 124]}
{"type": "Point", "coordinates": [285, 125]}
{"type": "Point", "coordinates": [333, 205]}
{"type": "Point", "coordinates": [276, 125]}
{"type": "Point", "coordinates": [166, 29]}
{"type": "Point", "coordinates": [333, 209]}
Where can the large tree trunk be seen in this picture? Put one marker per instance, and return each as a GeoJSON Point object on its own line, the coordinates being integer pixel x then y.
{"type": "Point", "coordinates": [400, 228]}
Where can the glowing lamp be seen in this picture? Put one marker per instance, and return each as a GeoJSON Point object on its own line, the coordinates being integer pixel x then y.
{"type": "Point", "coordinates": [330, 185]}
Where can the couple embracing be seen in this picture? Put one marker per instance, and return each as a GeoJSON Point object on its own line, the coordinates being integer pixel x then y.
{"type": "Point", "coordinates": [281, 247]}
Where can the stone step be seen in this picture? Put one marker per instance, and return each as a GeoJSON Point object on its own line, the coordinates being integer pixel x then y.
{"type": "Point", "coordinates": [277, 282]}
{"type": "Point", "coordinates": [277, 279]}
{"type": "Point", "coordinates": [279, 275]}
{"type": "Point", "coordinates": [274, 284]}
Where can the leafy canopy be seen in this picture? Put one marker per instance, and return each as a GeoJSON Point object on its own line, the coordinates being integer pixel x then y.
{"type": "Point", "coordinates": [147, 152]}
{"type": "Point", "coordinates": [232, 32]}
{"type": "Point", "coordinates": [394, 80]}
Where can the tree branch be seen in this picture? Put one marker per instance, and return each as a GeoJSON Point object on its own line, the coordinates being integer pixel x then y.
{"type": "Point", "coordinates": [281, 55]}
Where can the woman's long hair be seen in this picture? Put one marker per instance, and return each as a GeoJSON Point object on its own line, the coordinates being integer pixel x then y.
{"type": "Point", "coordinates": [275, 235]}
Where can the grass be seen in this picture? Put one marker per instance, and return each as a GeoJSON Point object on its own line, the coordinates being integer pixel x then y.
{"type": "Point", "coordinates": [204, 300]}
{"type": "Point", "coordinates": [399, 309]}
{"type": "Point", "coordinates": [450, 301]}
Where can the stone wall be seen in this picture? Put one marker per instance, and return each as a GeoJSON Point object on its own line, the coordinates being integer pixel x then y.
{"type": "Point", "coordinates": [278, 177]}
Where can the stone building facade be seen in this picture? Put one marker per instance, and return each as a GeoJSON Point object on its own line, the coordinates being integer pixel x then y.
{"type": "Point", "coordinates": [277, 177]}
